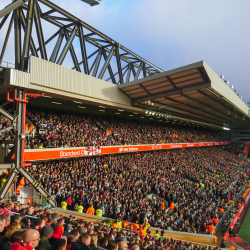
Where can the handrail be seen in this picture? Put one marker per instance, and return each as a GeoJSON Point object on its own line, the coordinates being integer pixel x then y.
{"type": "Point", "coordinates": [228, 211]}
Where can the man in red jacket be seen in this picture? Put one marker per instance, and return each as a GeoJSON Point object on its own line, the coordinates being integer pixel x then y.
{"type": "Point", "coordinates": [69, 202]}
{"type": "Point", "coordinates": [31, 239]}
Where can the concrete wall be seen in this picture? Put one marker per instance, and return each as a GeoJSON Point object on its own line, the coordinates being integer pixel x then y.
{"type": "Point", "coordinates": [243, 135]}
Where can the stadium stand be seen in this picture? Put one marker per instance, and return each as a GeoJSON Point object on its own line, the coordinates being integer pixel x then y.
{"type": "Point", "coordinates": [34, 228]}
{"type": "Point", "coordinates": [62, 129]}
{"type": "Point", "coordinates": [197, 186]}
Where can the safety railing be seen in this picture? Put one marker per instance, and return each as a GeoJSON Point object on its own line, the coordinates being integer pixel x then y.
{"type": "Point", "coordinates": [228, 210]}
{"type": "Point", "coordinates": [7, 64]}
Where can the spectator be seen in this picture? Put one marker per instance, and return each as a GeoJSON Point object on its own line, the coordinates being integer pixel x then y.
{"type": "Point", "coordinates": [83, 244]}
{"type": "Point", "coordinates": [61, 244]}
{"type": "Point", "coordinates": [15, 237]}
{"type": "Point", "coordinates": [6, 218]}
{"type": "Point", "coordinates": [94, 239]}
{"type": "Point", "coordinates": [11, 229]}
{"type": "Point", "coordinates": [46, 235]}
{"type": "Point", "coordinates": [2, 225]}
{"type": "Point", "coordinates": [112, 245]}
{"type": "Point", "coordinates": [71, 239]}
{"type": "Point", "coordinates": [31, 240]}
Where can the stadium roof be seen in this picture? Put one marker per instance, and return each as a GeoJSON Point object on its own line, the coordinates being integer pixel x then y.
{"type": "Point", "coordinates": [194, 92]}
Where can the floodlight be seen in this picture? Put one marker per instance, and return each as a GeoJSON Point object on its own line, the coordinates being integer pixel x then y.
{"type": "Point", "coordinates": [146, 111]}
{"type": "Point", "coordinates": [235, 91]}
{"type": "Point", "coordinates": [222, 76]}
{"type": "Point", "coordinates": [152, 104]}
{"type": "Point", "coordinates": [153, 113]}
{"type": "Point", "coordinates": [227, 82]}
{"type": "Point", "coordinates": [232, 86]}
{"type": "Point", "coordinates": [150, 112]}
{"type": "Point", "coordinates": [241, 97]}
{"type": "Point", "coordinates": [92, 2]}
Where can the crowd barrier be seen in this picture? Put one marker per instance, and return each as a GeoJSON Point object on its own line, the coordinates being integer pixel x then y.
{"type": "Point", "coordinates": [61, 153]}
{"type": "Point", "coordinates": [191, 237]}
{"type": "Point", "coordinates": [237, 216]}
{"type": "Point", "coordinates": [228, 211]}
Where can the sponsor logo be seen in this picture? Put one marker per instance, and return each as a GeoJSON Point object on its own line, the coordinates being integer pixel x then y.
{"type": "Point", "coordinates": [127, 149]}
{"type": "Point", "coordinates": [71, 153]}
{"type": "Point", "coordinates": [190, 145]}
{"type": "Point", "coordinates": [176, 146]}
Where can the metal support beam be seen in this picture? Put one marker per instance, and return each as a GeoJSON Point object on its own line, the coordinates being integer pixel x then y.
{"type": "Point", "coordinates": [83, 50]}
{"type": "Point", "coordinates": [20, 122]}
{"type": "Point", "coordinates": [112, 76]}
{"type": "Point", "coordinates": [3, 21]}
{"type": "Point", "coordinates": [57, 46]}
{"type": "Point", "coordinates": [36, 185]}
{"type": "Point", "coordinates": [50, 39]}
{"type": "Point", "coordinates": [6, 114]}
{"type": "Point", "coordinates": [11, 7]}
{"type": "Point", "coordinates": [17, 27]}
{"type": "Point", "coordinates": [144, 70]}
{"type": "Point", "coordinates": [97, 62]}
{"type": "Point", "coordinates": [129, 73]}
{"type": "Point", "coordinates": [7, 37]}
{"type": "Point", "coordinates": [124, 73]}
{"type": "Point", "coordinates": [32, 44]}
{"type": "Point", "coordinates": [2, 131]}
{"type": "Point", "coordinates": [40, 34]}
{"type": "Point", "coordinates": [27, 35]}
{"type": "Point", "coordinates": [66, 46]}
{"type": "Point", "coordinates": [105, 65]}
{"type": "Point", "coordinates": [138, 71]}
{"type": "Point", "coordinates": [9, 156]}
{"type": "Point", "coordinates": [72, 52]}
{"type": "Point", "coordinates": [116, 73]}
{"type": "Point", "coordinates": [141, 59]}
{"type": "Point", "coordinates": [119, 67]}
{"type": "Point", "coordinates": [133, 70]}
{"type": "Point", "coordinates": [8, 183]}
{"type": "Point", "coordinates": [6, 165]}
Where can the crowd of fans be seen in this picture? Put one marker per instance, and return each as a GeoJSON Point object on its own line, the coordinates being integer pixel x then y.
{"type": "Point", "coordinates": [197, 185]}
{"type": "Point", "coordinates": [64, 129]}
{"type": "Point", "coordinates": [34, 229]}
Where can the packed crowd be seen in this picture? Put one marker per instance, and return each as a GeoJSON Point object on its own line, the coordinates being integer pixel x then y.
{"type": "Point", "coordinates": [61, 129]}
{"type": "Point", "coordinates": [34, 229]}
{"type": "Point", "coordinates": [197, 185]}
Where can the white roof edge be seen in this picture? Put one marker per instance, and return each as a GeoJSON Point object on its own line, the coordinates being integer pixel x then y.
{"type": "Point", "coordinates": [224, 90]}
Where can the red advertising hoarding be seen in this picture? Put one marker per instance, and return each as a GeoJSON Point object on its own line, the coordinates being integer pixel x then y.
{"type": "Point", "coordinates": [60, 153]}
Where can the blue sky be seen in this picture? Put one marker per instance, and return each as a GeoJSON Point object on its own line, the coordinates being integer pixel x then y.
{"type": "Point", "coordinates": [174, 33]}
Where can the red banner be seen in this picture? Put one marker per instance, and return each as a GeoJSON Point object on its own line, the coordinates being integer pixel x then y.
{"type": "Point", "coordinates": [59, 153]}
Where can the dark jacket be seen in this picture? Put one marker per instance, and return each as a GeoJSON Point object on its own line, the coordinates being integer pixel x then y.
{"type": "Point", "coordinates": [92, 246]}
{"type": "Point", "coordinates": [44, 244]}
{"type": "Point", "coordinates": [79, 246]}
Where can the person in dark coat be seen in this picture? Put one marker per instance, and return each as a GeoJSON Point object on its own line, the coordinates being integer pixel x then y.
{"type": "Point", "coordinates": [83, 243]}
{"type": "Point", "coordinates": [46, 234]}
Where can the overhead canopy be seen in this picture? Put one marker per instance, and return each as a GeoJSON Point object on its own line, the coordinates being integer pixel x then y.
{"type": "Point", "coordinates": [194, 92]}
